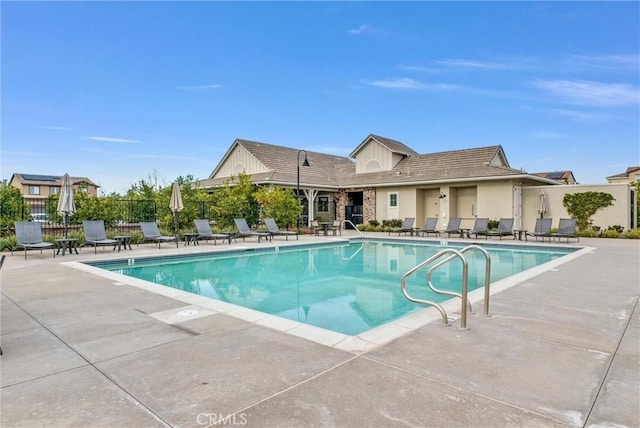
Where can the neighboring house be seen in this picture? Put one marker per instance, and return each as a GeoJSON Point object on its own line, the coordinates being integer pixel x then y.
{"type": "Point", "coordinates": [564, 177]}
{"type": "Point", "coordinates": [631, 175]}
{"type": "Point", "coordinates": [38, 186]}
{"type": "Point", "coordinates": [388, 180]}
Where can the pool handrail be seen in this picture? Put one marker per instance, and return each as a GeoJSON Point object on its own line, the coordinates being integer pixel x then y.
{"type": "Point", "coordinates": [354, 226]}
{"type": "Point", "coordinates": [487, 275]}
{"type": "Point", "coordinates": [465, 282]}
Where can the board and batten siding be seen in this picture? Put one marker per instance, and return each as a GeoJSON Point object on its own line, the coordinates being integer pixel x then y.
{"type": "Point", "coordinates": [375, 157]}
{"type": "Point", "coordinates": [240, 160]}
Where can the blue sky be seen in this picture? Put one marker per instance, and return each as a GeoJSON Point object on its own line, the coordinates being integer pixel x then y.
{"type": "Point", "coordinates": [121, 91]}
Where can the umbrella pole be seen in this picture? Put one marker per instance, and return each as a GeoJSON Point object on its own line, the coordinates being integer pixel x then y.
{"type": "Point", "coordinates": [66, 225]}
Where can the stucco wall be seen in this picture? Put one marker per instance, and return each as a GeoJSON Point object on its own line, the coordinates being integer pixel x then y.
{"type": "Point", "coordinates": [495, 199]}
{"type": "Point", "coordinates": [617, 214]}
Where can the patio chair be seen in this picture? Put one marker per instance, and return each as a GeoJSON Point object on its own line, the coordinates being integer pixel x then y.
{"type": "Point", "coordinates": [95, 234]}
{"type": "Point", "coordinates": [205, 233]}
{"type": "Point", "coordinates": [430, 227]}
{"type": "Point", "coordinates": [505, 228]}
{"type": "Point", "coordinates": [315, 227]}
{"type": "Point", "coordinates": [542, 229]}
{"type": "Point", "coordinates": [454, 227]}
{"type": "Point", "coordinates": [152, 234]}
{"type": "Point", "coordinates": [245, 231]}
{"type": "Point", "coordinates": [273, 229]}
{"type": "Point", "coordinates": [407, 226]}
{"type": "Point", "coordinates": [336, 227]}
{"type": "Point", "coordinates": [480, 227]}
{"type": "Point", "coordinates": [29, 237]}
{"type": "Point", "coordinates": [566, 229]}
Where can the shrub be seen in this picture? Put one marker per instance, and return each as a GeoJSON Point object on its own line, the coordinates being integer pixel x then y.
{"type": "Point", "coordinates": [9, 242]}
{"type": "Point", "coordinates": [617, 228]}
{"type": "Point", "coordinates": [587, 233]}
{"type": "Point", "coordinates": [632, 234]}
{"type": "Point", "coordinates": [610, 233]}
{"type": "Point", "coordinates": [493, 224]}
{"type": "Point", "coordinates": [374, 223]}
{"type": "Point", "coordinates": [393, 223]}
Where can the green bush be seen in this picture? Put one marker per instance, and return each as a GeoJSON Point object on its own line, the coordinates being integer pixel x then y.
{"type": "Point", "coordinates": [587, 233]}
{"type": "Point", "coordinates": [632, 234]}
{"type": "Point", "coordinates": [9, 242]}
{"type": "Point", "coordinates": [374, 223]}
{"type": "Point", "coordinates": [610, 233]}
{"type": "Point", "coordinates": [392, 223]}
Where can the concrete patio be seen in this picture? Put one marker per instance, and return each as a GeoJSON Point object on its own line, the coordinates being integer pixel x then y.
{"type": "Point", "coordinates": [561, 349]}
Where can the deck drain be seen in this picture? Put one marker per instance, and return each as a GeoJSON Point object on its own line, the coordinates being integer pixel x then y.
{"type": "Point", "coordinates": [188, 313]}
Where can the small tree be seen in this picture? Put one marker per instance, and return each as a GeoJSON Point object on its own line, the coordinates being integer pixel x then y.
{"type": "Point", "coordinates": [582, 206]}
{"type": "Point", "coordinates": [11, 206]}
{"type": "Point", "coordinates": [280, 204]}
{"type": "Point", "coordinates": [235, 200]}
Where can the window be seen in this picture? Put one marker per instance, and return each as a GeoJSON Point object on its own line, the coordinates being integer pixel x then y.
{"type": "Point", "coordinates": [34, 190]}
{"type": "Point", "coordinates": [323, 204]}
{"type": "Point", "coordinates": [393, 200]}
{"type": "Point", "coordinates": [54, 190]}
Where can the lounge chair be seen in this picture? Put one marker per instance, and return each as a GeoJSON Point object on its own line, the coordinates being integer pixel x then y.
{"type": "Point", "coordinates": [29, 237]}
{"type": "Point", "coordinates": [205, 233]}
{"type": "Point", "coordinates": [273, 229]}
{"type": "Point", "coordinates": [94, 234]}
{"type": "Point", "coordinates": [454, 227]}
{"type": "Point", "coordinates": [245, 231]}
{"type": "Point", "coordinates": [566, 229]}
{"type": "Point", "coordinates": [430, 227]}
{"type": "Point", "coordinates": [505, 228]}
{"type": "Point", "coordinates": [542, 229]}
{"type": "Point", "coordinates": [152, 234]}
{"type": "Point", "coordinates": [480, 227]}
{"type": "Point", "coordinates": [407, 226]}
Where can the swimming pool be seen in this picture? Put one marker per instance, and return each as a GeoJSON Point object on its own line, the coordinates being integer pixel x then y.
{"type": "Point", "coordinates": [346, 287]}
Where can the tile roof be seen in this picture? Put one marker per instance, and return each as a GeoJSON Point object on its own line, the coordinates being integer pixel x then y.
{"type": "Point", "coordinates": [332, 171]}
{"type": "Point", "coordinates": [393, 146]}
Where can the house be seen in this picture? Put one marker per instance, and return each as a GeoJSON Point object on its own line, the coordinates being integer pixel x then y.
{"type": "Point", "coordinates": [631, 175]}
{"type": "Point", "coordinates": [38, 186]}
{"type": "Point", "coordinates": [564, 177]}
{"type": "Point", "coordinates": [386, 180]}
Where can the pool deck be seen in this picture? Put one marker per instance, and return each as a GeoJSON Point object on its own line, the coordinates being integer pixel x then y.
{"type": "Point", "coordinates": [560, 349]}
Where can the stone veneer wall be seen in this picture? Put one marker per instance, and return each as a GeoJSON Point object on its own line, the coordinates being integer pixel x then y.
{"type": "Point", "coordinates": [368, 205]}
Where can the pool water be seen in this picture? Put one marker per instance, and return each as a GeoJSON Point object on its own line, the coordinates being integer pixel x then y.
{"type": "Point", "coordinates": [348, 287]}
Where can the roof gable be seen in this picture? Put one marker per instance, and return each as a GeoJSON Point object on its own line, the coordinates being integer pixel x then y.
{"type": "Point", "coordinates": [393, 146]}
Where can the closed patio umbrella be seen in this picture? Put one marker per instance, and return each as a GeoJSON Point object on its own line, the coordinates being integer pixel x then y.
{"type": "Point", "coordinates": [542, 205]}
{"type": "Point", "coordinates": [66, 204]}
{"type": "Point", "coordinates": [175, 203]}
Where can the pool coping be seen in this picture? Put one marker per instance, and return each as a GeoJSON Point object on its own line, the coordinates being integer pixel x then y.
{"type": "Point", "coordinates": [198, 306]}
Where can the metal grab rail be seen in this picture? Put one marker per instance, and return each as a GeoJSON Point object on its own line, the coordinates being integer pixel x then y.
{"type": "Point", "coordinates": [465, 276]}
{"type": "Point", "coordinates": [487, 275]}
{"type": "Point", "coordinates": [354, 226]}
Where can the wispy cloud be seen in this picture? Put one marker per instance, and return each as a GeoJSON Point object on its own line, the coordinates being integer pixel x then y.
{"type": "Point", "coordinates": [418, 68]}
{"type": "Point", "coordinates": [606, 63]}
{"type": "Point", "coordinates": [478, 65]}
{"type": "Point", "coordinates": [581, 116]}
{"type": "Point", "coordinates": [585, 92]}
{"type": "Point", "coordinates": [163, 157]}
{"type": "Point", "coordinates": [211, 87]}
{"type": "Point", "coordinates": [59, 128]}
{"type": "Point", "coordinates": [363, 29]}
{"type": "Point", "coordinates": [113, 140]}
{"type": "Point", "coordinates": [409, 84]}
{"type": "Point", "coordinates": [368, 30]}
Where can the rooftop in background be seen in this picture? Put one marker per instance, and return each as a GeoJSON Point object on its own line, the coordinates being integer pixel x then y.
{"type": "Point", "coordinates": [565, 177]}
{"type": "Point", "coordinates": [42, 185]}
{"type": "Point", "coordinates": [631, 175]}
